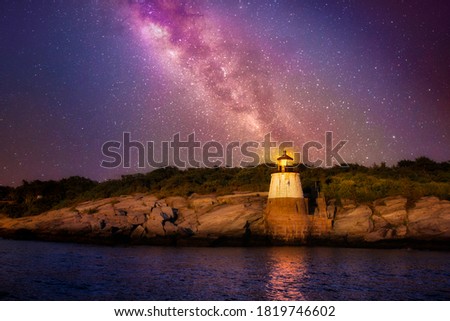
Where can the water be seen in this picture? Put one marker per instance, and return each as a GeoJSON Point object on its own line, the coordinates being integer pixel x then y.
{"type": "Point", "coordinates": [31, 270]}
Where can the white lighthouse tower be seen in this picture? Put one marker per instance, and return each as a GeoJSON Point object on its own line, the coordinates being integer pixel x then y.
{"type": "Point", "coordinates": [286, 218]}
{"type": "Point", "coordinates": [285, 184]}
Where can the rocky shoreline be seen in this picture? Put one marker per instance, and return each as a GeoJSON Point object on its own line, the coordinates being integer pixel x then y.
{"type": "Point", "coordinates": [233, 220]}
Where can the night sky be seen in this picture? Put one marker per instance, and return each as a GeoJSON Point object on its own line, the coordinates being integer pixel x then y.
{"type": "Point", "coordinates": [76, 74]}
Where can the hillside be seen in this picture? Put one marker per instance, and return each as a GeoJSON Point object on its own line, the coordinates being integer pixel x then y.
{"type": "Point", "coordinates": [410, 179]}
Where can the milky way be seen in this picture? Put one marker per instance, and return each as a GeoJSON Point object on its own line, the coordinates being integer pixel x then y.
{"type": "Point", "coordinates": [230, 75]}
{"type": "Point", "coordinates": [76, 75]}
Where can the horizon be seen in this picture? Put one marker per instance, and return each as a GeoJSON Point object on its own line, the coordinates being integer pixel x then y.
{"type": "Point", "coordinates": [79, 75]}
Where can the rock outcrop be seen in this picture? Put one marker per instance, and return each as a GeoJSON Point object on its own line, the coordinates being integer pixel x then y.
{"type": "Point", "coordinates": [231, 220]}
{"type": "Point", "coordinates": [392, 220]}
{"type": "Point", "coordinates": [352, 222]}
{"type": "Point", "coordinates": [429, 219]}
{"type": "Point", "coordinates": [198, 220]}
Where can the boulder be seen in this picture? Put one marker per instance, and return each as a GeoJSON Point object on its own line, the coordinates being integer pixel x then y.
{"type": "Point", "coordinates": [353, 222]}
{"type": "Point", "coordinates": [134, 203]}
{"type": "Point", "coordinates": [148, 199]}
{"type": "Point", "coordinates": [170, 229]}
{"type": "Point", "coordinates": [156, 211]}
{"type": "Point", "coordinates": [377, 235]}
{"type": "Point", "coordinates": [401, 231]}
{"type": "Point", "coordinates": [229, 221]}
{"type": "Point", "coordinates": [429, 218]}
{"type": "Point", "coordinates": [201, 202]}
{"type": "Point", "coordinates": [390, 204]}
{"type": "Point", "coordinates": [154, 225]}
{"type": "Point", "coordinates": [117, 221]}
{"type": "Point", "coordinates": [136, 218]}
{"type": "Point", "coordinates": [138, 233]}
{"type": "Point", "coordinates": [395, 218]}
{"type": "Point", "coordinates": [379, 222]}
{"type": "Point", "coordinates": [392, 209]}
{"type": "Point", "coordinates": [167, 213]}
{"type": "Point", "coordinates": [187, 218]}
{"type": "Point", "coordinates": [176, 202]}
{"type": "Point", "coordinates": [106, 209]}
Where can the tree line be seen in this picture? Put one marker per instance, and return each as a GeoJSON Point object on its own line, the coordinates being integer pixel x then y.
{"type": "Point", "coordinates": [412, 179]}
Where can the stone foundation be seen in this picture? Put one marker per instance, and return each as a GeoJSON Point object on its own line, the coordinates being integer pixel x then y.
{"type": "Point", "coordinates": [287, 220]}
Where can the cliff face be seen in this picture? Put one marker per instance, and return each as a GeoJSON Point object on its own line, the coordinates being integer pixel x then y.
{"type": "Point", "coordinates": [199, 220]}
{"type": "Point", "coordinates": [228, 220]}
{"type": "Point", "coordinates": [390, 219]}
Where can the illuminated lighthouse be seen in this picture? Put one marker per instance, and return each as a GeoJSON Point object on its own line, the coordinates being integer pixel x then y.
{"type": "Point", "coordinates": [286, 217]}
{"type": "Point", "coordinates": [285, 184]}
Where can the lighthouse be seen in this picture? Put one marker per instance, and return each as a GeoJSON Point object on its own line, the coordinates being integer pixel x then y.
{"type": "Point", "coordinates": [285, 183]}
{"type": "Point", "coordinates": [286, 217]}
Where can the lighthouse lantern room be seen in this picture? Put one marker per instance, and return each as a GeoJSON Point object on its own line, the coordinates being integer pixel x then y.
{"type": "Point", "coordinates": [284, 161]}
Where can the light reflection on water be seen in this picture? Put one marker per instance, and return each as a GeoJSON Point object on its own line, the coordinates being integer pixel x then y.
{"type": "Point", "coordinates": [56, 271]}
{"type": "Point", "coordinates": [286, 272]}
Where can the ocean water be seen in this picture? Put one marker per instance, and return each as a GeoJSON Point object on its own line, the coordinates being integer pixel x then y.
{"type": "Point", "coordinates": [31, 270]}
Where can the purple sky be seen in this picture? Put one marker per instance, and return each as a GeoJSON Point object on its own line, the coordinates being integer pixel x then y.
{"type": "Point", "coordinates": [76, 74]}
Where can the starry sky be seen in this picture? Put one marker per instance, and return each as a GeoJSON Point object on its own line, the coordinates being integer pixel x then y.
{"type": "Point", "coordinates": [76, 74]}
